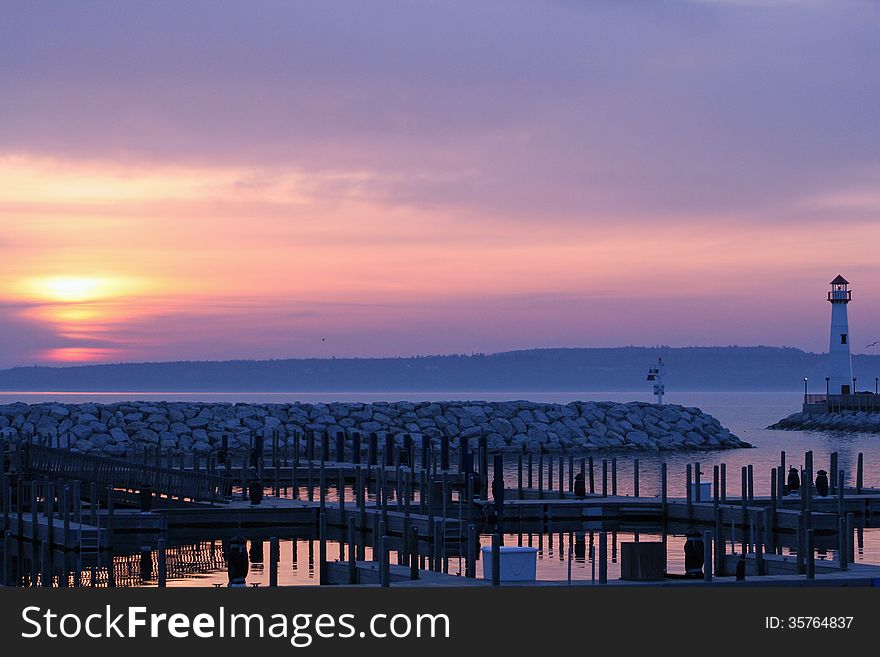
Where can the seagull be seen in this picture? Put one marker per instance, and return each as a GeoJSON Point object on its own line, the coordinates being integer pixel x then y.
{"type": "Point", "coordinates": [325, 339]}
{"type": "Point", "coordinates": [876, 342]}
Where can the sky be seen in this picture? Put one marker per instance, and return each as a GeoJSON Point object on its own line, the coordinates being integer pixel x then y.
{"type": "Point", "coordinates": [218, 180]}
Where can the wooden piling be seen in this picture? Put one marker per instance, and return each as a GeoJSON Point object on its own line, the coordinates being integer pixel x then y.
{"type": "Point", "coordinates": [414, 553]}
{"type": "Point", "coordinates": [541, 476]}
{"type": "Point", "coordinates": [635, 478]}
{"type": "Point", "coordinates": [529, 482]}
{"type": "Point", "coordinates": [698, 478]}
{"type": "Point", "coordinates": [833, 473]}
{"type": "Point", "coordinates": [519, 476]}
{"type": "Point", "coordinates": [592, 478]}
{"type": "Point", "coordinates": [496, 559]}
{"type": "Point", "coordinates": [664, 491]}
{"type": "Point", "coordinates": [707, 561]}
{"type": "Point", "coordinates": [603, 557]}
{"type": "Point", "coordinates": [614, 476]}
{"type": "Point", "coordinates": [322, 548]}
{"type": "Point", "coordinates": [723, 484]}
{"type": "Point", "coordinates": [689, 491]}
{"type": "Point", "coordinates": [842, 543]}
{"type": "Point", "coordinates": [751, 486]}
{"type": "Point", "coordinates": [384, 562]}
{"type": "Point", "coordinates": [161, 563]}
{"type": "Point", "coordinates": [352, 554]}
{"type": "Point", "coordinates": [471, 554]}
{"type": "Point", "coordinates": [604, 477]}
{"type": "Point", "coordinates": [860, 466]}
{"type": "Point", "coordinates": [810, 555]}
{"type": "Point", "coordinates": [850, 542]}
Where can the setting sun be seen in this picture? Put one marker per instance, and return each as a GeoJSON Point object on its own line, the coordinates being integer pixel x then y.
{"type": "Point", "coordinates": [73, 289]}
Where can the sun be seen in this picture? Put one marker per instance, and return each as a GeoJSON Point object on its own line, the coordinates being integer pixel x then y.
{"type": "Point", "coordinates": [73, 289]}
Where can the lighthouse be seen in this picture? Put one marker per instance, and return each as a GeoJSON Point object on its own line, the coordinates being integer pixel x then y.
{"type": "Point", "coordinates": [840, 379]}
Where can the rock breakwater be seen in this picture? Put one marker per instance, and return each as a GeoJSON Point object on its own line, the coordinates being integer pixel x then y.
{"type": "Point", "coordinates": [125, 428]}
{"type": "Point", "coordinates": [845, 421]}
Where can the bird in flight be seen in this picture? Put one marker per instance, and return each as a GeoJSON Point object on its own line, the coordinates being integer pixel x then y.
{"type": "Point", "coordinates": [876, 342]}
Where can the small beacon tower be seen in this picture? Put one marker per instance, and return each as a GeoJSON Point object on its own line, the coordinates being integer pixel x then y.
{"type": "Point", "coordinates": [840, 379]}
{"type": "Point", "coordinates": [655, 374]}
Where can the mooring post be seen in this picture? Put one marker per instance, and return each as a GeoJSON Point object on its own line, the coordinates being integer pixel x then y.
{"type": "Point", "coordinates": [635, 478]}
{"type": "Point", "coordinates": [603, 557]}
{"type": "Point", "coordinates": [529, 480]}
{"type": "Point", "coordinates": [592, 477]}
{"type": "Point", "coordinates": [389, 449]}
{"type": "Point", "coordinates": [811, 556]}
{"type": "Point", "coordinates": [414, 553]}
{"type": "Point", "coordinates": [723, 484]}
{"type": "Point", "coordinates": [707, 561]}
{"type": "Point", "coordinates": [161, 563]}
{"type": "Point", "coordinates": [716, 474]}
{"type": "Point", "coordinates": [842, 543]}
{"type": "Point", "coordinates": [496, 559]}
{"type": "Point", "coordinates": [719, 543]}
{"type": "Point", "coordinates": [519, 476]}
{"type": "Point", "coordinates": [751, 479]}
{"type": "Point", "coordinates": [570, 474]}
{"type": "Point", "coordinates": [614, 476]}
{"type": "Point", "coordinates": [801, 545]}
{"type": "Point", "coordinates": [340, 447]}
{"type": "Point", "coordinates": [444, 452]}
{"type": "Point", "coordinates": [833, 469]}
{"type": "Point", "coordinates": [352, 554]}
{"type": "Point", "coordinates": [550, 474]}
{"type": "Point", "coordinates": [541, 476]}
{"type": "Point", "coordinates": [850, 540]}
{"type": "Point", "coordinates": [698, 478]}
{"type": "Point", "coordinates": [689, 491]}
{"type": "Point", "coordinates": [860, 467]}
{"type": "Point", "coordinates": [841, 494]}
{"type": "Point", "coordinates": [373, 452]}
{"type": "Point", "coordinates": [322, 548]}
{"type": "Point", "coordinates": [561, 477]}
{"type": "Point", "coordinates": [663, 489]}
{"type": "Point", "coordinates": [470, 565]}
{"type": "Point", "coordinates": [759, 542]}
{"type": "Point", "coordinates": [322, 487]}
{"type": "Point", "coordinates": [274, 558]}
{"type": "Point", "coordinates": [771, 524]}
{"type": "Point", "coordinates": [604, 477]}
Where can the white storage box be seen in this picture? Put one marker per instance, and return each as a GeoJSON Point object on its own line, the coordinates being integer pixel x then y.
{"type": "Point", "coordinates": [518, 564]}
{"type": "Point", "coordinates": [705, 491]}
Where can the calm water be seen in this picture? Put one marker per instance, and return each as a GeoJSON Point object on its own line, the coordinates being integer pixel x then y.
{"type": "Point", "coordinates": [568, 548]}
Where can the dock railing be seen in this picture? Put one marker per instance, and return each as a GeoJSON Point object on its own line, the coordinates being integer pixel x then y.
{"type": "Point", "coordinates": [121, 474]}
{"type": "Point", "coordinates": [860, 401]}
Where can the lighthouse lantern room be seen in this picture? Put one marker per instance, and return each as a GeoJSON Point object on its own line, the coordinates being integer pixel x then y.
{"type": "Point", "coordinates": [840, 379]}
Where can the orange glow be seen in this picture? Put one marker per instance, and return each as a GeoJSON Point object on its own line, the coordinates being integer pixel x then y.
{"type": "Point", "coordinates": [124, 261]}
{"type": "Point", "coordinates": [79, 355]}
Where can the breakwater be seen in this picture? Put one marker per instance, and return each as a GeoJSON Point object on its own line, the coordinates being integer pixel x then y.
{"type": "Point", "coordinates": [125, 428]}
{"type": "Point", "coordinates": [845, 421]}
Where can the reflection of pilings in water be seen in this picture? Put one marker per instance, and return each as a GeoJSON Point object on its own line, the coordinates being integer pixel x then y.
{"type": "Point", "coordinates": [129, 570]}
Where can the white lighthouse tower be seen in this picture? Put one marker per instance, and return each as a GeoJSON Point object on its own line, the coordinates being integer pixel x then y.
{"type": "Point", "coordinates": [840, 379]}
